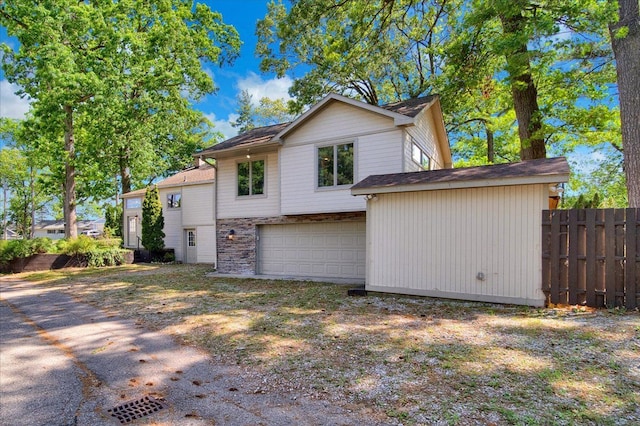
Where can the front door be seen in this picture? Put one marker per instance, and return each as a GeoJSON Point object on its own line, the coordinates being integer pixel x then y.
{"type": "Point", "coordinates": [132, 231]}
{"type": "Point", "coordinates": [191, 247]}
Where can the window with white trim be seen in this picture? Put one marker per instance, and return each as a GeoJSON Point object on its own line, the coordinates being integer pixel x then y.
{"type": "Point", "coordinates": [174, 201]}
{"type": "Point", "coordinates": [419, 157]}
{"type": "Point", "coordinates": [251, 178]}
{"type": "Point", "coordinates": [134, 203]}
{"type": "Point", "coordinates": [335, 165]}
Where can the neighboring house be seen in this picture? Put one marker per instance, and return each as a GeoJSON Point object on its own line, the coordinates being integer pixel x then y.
{"type": "Point", "coordinates": [284, 205]}
{"type": "Point", "coordinates": [188, 207]}
{"type": "Point", "coordinates": [54, 229]}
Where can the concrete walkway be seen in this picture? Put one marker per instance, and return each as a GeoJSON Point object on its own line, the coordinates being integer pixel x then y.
{"type": "Point", "coordinates": [67, 363]}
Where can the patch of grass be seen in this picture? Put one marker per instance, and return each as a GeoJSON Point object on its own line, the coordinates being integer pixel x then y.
{"type": "Point", "coordinates": [412, 360]}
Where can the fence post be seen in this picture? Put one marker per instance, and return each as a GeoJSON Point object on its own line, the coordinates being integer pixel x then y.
{"type": "Point", "coordinates": [573, 256]}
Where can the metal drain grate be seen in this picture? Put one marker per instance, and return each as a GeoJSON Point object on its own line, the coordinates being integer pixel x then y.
{"type": "Point", "coordinates": [129, 411]}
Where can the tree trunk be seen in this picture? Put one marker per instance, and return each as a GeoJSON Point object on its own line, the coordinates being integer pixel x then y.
{"type": "Point", "coordinates": [32, 230]}
{"type": "Point", "coordinates": [524, 92]}
{"type": "Point", "coordinates": [70, 225]}
{"type": "Point", "coordinates": [491, 152]}
{"type": "Point", "coordinates": [627, 53]}
{"type": "Point", "coordinates": [125, 171]}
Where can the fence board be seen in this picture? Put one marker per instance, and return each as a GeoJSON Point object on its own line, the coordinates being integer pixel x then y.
{"type": "Point", "coordinates": [573, 257]}
{"type": "Point", "coordinates": [631, 228]}
{"type": "Point", "coordinates": [610, 254]}
{"type": "Point", "coordinates": [591, 257]}
{"type": "Point", "coordinates": [555, 254]}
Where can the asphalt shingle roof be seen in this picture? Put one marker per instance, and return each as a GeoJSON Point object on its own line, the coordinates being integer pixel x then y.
{"type": "Point", "coordinates": [261, 135]}
{"type": "Point", "coordinates": [205, 172]}
{"type": "Point", "coordinates": [541, 167]}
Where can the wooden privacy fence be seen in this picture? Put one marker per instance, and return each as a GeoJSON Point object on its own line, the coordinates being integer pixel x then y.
{"type": "Point", "coordinates": [591, 257]}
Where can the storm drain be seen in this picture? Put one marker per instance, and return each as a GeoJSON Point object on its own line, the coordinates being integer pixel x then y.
{"type": "Point", "coordinates": [132, 410]}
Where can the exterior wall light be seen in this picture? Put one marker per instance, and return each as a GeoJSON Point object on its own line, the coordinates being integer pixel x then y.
{"type": "Point", "coordinates": [231, 235]}
{"type": "Point", "coordinates": [371, 197]}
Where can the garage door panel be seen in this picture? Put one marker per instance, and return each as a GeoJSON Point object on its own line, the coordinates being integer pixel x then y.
{"type": "Point", "coordinates": [313, 249]}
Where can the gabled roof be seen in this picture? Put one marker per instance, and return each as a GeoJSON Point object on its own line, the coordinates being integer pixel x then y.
{"type": "Point", "coordinates": [402, 113]}
{"type": "Point", "coordinates": [191, 176]}
{"type": "Point", "coordinates": [257, 136]}
{"type": "Point", "coordinates": [546, 170]}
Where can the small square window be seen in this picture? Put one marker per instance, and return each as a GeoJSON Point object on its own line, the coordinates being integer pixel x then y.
{"type": "Point", "coordinates": [174, 201]}
{"type": "Point", "coordinates": [133, 203]}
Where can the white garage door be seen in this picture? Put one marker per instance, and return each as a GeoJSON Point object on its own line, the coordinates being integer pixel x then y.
{"type": "Point", "coordinates": [331, 250]}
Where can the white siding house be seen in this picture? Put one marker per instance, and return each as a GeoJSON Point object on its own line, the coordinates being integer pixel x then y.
{"type": "Point", "coordinates": [188, 207]}
{"type": "Point", "coordinates": [284, 205]}
{"type": "Point", "coordinates": [471, 233]}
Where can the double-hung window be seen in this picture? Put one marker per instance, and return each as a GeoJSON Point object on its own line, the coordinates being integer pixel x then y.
{"type": "Point", "coordinates": [251, 178]}
{"type": "Point", "coordinates": [335, 165]}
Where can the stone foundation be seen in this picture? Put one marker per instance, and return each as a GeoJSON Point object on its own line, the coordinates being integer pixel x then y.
{"type": "Point", "coordinates": [238, 256]}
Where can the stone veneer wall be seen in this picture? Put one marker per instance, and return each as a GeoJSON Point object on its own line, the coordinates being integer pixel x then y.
{"type": "Point", "coordinates": [238, 256]}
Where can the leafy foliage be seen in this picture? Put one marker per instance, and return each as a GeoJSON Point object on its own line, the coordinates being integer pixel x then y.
{"type": "Point", "coordinates": [152, 221]}
{"type": "Point", "coordinates": [107, 81]}
{"type": "Point", "coordinates": [113, 221]}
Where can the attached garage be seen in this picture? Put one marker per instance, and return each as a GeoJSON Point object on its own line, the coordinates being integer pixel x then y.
{"type": "Point", "coordinates": [325, 250]}
{"type": "Point", "coordinates": [471, 233]}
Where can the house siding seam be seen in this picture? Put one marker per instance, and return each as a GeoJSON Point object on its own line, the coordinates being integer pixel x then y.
{"type": "Point", "coordinates": [239, 256]}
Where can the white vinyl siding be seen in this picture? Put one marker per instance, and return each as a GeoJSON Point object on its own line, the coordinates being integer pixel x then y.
{"type": "Point", "coordinates": [339, 121]}
{"type": "Point", "coordinates": [206, 244]}
{"type": "Point", "coordinates": [197, 205]}
{"type": "Point", "coordinates": [425, 136]}
{"type": "Point", "coordinates": [232, 206]}
{"type": "Point", "coordinates": [326, 250]}
{"type": "Point", "coordinates": [435, 243]}
{"type": "Point", "coordinates": [374, 153]}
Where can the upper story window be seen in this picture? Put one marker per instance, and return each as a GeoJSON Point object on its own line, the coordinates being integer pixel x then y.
{"type": "Point", "coordinates": [251, 178]}
{"type": "Point", "coordinates": [335, 165]}
{"type": "Point", "coordinates": [134, 203]}
{"type": "Point", "coordinates": [174, 201]}
{"type": "Point", "coordinates": [419, 156]}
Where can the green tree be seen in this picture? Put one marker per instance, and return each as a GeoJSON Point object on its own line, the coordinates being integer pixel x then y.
{"type": "Point", "coordinates": [113, 221]}
{"type": "Point", "coordinates": [245, 120]}
{"type": "Point", "coordinates": [152, 221]}
{"type": "Point", "coordinates": [23, 180]}
{"type": "Point", "coordinates": [81, 59]}
{"type": "Point", "coordinates": [267, 112]}
{"type": "Point", "coordinates": [505, 71]}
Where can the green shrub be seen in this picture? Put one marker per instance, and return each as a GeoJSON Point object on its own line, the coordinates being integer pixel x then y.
{"type": "Point", "coordinates": [80, 245]}
{"type": "Point", "coordinates": [169, 257]}
{"type": "Point", "coordinates": [15, 249]}
{"type": "Point", "coordinates": [105, 257]}
{"type": "Point", "coordinates": [43, 245]}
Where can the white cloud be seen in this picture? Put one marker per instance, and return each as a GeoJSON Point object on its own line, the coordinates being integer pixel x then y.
{"type": "Point", "coordinates": [275, 88]}
{"type": "Point", "coordinates": [224, 125]}
{"type": "Point", "coordinates": [12, 105]}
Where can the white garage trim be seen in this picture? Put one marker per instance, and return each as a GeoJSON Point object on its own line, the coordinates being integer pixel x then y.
{"type": "Point", "coordinates": [324, 250]}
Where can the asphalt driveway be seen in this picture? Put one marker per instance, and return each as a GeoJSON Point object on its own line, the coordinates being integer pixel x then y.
{"type": "Point", "coordinates": [67, 363]}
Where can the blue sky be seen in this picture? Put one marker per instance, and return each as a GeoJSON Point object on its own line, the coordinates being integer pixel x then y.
{"type": "Point", "coordinates": [244, 74]}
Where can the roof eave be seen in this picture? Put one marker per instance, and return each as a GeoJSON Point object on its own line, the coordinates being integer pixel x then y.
{"type": "Point", "coordinates": [253, 147]}
{"type": "Point", "coordinates": [453, 184]}
{"type": "Point", "coordinates": [399, 119]}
